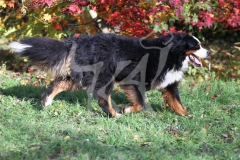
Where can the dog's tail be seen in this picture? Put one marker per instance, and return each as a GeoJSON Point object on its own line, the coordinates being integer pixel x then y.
{"type": "Point", "coordinates": [44, 52]}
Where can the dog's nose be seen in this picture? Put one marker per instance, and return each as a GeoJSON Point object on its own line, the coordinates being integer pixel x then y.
{"type": "Point", "coordinates": [208, 53]}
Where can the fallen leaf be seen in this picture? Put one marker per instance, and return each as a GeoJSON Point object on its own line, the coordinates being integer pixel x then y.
{"type": "Point", "coordinates": [225, 135]}
{"type": "Point", "coordinates": [214, 96]}
{"type": "Point", "coordinates": [105, 131]}
{"type": "Point", "coordinates": [135, 137]}
{"type": "Point", "coordinates": [145, 144]}
{"type": "Point", "coordinates": [204, 131]}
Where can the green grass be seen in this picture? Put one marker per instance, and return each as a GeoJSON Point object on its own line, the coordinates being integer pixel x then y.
{"type": "Point", "coordinates": [69, 130]}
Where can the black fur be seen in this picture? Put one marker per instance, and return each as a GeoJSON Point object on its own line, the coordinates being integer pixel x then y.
{"type": "Point", "coordinates": [110, 49]}
{"type": "Point", "coordinates": [45, 51]}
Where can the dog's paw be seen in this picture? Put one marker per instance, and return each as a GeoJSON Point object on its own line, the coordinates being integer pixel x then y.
{"type": "Point", "coordinates": [46, 102]}
{"type": "Point", "coordinates": [125, 109]}
{"type": "Point", "coordinates": [118, 115]}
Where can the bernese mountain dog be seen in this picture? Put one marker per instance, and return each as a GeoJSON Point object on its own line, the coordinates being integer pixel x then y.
{"type": "Point", "coordinates": [95, 62]}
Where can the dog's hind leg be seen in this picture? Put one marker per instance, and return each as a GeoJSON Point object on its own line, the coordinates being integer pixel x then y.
{"type": "Point", "coordinates": [105, 101]}
{"type": "Point", "coordinates": [60, 84]}
{"type": "Point", "coordinates": [135, 97]}
{"type": "Point", "coordinates": [171, 97]}
{"type": "Point", "coordinates": [106, 105]}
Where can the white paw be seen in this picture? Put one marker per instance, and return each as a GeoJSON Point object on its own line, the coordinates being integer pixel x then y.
{"type": "Point", "coordinates": [127, 110]}
{"type": "Point", "coordinates": [118, 115]}
{"type": "Point", "coordinates": [47, 102]}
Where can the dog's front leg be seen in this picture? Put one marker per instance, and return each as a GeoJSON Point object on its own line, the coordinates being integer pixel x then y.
{"type": "Point", "coordinates": [135, 97]}
{"type": "Point", "coordinates": [171, 97]}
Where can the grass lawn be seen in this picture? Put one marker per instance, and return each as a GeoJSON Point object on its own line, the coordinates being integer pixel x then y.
{"type": "Point", "coordinates": [69, 130]}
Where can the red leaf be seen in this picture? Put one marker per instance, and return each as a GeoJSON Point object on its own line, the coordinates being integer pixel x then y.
{"type": "Point", "coordinates": [208, 20]}
{"type": "Point", "coordinates": [74, 9]}
{"type": "Point", "coordinates": [214, 96]}
{"type": "Point", "coordinates": [140, 31]}
{"type": "Point", "coordinates": [57, 26]}
{"type": "Point", "coordinates": [221, 3]}
{"type": "Point", "coordinates": [172, 29]}
{"type": "Point", "coordinates": [194, 23]}
{"type": "Point", "coordinates": [178, 12]}
{"type": "Point", "coordinates": [77, 35]}
{"type": "Point", "coordinates": [49, 2]}
{"type": "Point", "coordinates": [175, 3]}
{"type": "Point", "coordinates": [11, 4]}
{"type": "Point", "coordinates": [116, 14]}
{"type": "Point", "coordinates": [30, 70]}
{"type": "Point", "coordinates": [94, 8]}
{"type": "Point", "coordinates": [236, 11]}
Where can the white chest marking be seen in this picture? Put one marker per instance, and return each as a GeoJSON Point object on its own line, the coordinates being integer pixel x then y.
{"type": "Point", "coordinates": [173, 76]}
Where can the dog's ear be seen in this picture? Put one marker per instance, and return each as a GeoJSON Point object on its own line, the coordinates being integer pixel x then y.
{"type": "Point", "coordinates": [191, 43]}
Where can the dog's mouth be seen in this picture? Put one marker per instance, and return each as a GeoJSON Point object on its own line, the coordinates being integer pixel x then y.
{"type": "Point", "coordinates": [195, 60]}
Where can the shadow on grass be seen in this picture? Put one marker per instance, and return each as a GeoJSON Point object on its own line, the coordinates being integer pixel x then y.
{"type": "Point", "coordinates": [33, 93]}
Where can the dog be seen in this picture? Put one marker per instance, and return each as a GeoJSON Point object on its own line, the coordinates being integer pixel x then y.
{"type": "Point", "coordinates": [95, 62]}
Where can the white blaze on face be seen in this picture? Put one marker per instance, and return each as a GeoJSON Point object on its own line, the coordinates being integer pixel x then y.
{"type": "Point", "coordinates": [202, 52]}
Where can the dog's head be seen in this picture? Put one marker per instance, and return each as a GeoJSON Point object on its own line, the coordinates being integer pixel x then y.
{"type": "Point", "coordinates": [195, 51]}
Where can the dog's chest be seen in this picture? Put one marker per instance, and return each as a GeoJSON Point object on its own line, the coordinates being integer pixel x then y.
{"type": "Point", "coordinates": [173, 76]}
{"type": "Point", "coordinates": [170, 78]}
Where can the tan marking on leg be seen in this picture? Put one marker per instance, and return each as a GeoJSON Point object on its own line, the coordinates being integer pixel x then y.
{"type": "Point", "coordinates": [62, 86]}
{"type": "Point", "coordinates": [135, 108]}
{"type": "Point", "coordinates": [111, 110]}
{"type": "Point", "coordinates": [173, 103]}
{"type": "Point", "coordinates": [131, 94]}
{"type": "Point", "coordinates": [107, 106]}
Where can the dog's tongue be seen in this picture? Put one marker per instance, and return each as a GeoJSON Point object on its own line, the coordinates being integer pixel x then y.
{"type": "Point", "coordinates": [195, 61]}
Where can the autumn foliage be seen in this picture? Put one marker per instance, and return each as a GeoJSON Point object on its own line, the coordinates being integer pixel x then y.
{"type": "Point", "coordinates": [59, 18]}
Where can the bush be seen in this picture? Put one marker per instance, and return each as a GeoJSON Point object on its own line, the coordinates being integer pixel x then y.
{"type": "Point", "coordinates": [134, 17]}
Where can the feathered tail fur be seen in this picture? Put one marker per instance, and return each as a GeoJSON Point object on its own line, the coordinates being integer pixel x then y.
{"type": "Point", "coordinates": [45, 52]}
